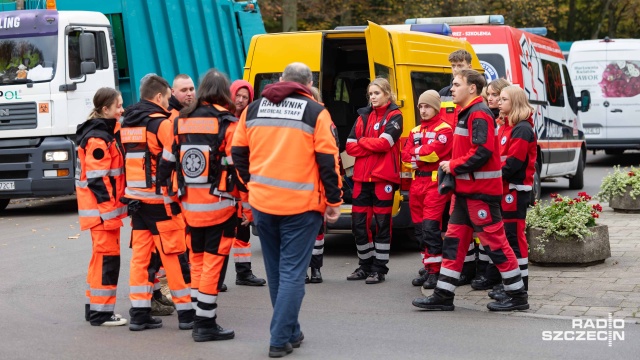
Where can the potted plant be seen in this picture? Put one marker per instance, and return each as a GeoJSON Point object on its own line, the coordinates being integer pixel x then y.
{"type": "Point", "coordinates": [564, 231]}
{"type": "Point", "coordinates": [621, 189]}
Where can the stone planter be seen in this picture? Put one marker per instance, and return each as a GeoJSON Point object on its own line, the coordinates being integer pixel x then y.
{"type": "Point", "coordinates": [595, 249]}
{"type": "Point", "coordinates": [625, 203]}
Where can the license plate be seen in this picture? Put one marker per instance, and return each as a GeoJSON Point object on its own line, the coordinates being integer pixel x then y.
{"type": "Point", "coordinates": [7, 185]}
{"type": "Point", "coordinates": [592, 130]}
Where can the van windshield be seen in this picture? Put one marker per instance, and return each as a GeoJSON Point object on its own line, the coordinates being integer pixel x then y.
{"type": "Point", "coordinates": [28, 59]}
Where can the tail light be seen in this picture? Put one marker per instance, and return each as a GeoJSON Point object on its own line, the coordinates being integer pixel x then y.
{"type": "Point", "coordinates": [405, 171]}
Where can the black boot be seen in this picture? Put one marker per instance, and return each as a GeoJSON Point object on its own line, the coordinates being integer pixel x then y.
{"type": "Point", "coordinates": [316, 276]}
{"type": "Point", "coordinates": [280, 351]}
{"type": "Point", "coordinates": [249, 280]}
{"type": "Point", "coordinates": [422, 271]}
{"type": "Point", "coordinates": [434, 302]}
{"type": "Point", "coordinates": [418, 281]}
{"type": "Point", "coordinates": [483, 283]}
{"type": "Point", "coordinates": [148, 323]}
{"type": "Point", "coordinates": [86, 311]}
{"type": "Point", "coordinates": [516, 300]}
{"type": "Point", "coordinates": [215, 332]}
{"type": "Point", "coordinates": [431, 282]}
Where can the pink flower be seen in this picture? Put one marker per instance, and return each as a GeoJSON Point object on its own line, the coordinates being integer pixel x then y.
{"type": "Point", "coordinates": [558, 199]}
{"type": "Point", "coordinates": [597, 207]}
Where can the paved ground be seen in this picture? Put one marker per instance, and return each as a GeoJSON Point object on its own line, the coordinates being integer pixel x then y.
{"type": "Point", "coordinates": [594, 291]}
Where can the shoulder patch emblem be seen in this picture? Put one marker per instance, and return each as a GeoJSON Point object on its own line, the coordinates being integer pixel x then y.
{"type": "Point", "coordinates": [388, 189]}
{"type": "Point", "coordinates": [508, 198]}
{"type": "Point", "coordinates": [503, 140]}
{"type": "Point", "coordinates": [98, 154]}
{"type": "Point", "coordinates": [376, 126]}
{"type": "Point", "coordinates": [482, 214]}
{"type": "Point", "coordinates": [442, 138]}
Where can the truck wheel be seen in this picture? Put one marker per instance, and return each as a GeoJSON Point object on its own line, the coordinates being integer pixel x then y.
{"type": "Point", "coordinates": [4, 203]}
{"type": "Point", "coordinates": [537, 186]}
{"type": "Point", "coordinates": [577, 182]}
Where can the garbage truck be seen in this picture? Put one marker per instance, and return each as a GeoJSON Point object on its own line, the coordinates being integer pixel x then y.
{"type": "Point", "coordinates": [55, 55]}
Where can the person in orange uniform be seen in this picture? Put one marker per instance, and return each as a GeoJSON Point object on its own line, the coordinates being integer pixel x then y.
{"type": "Point", "coordinates": [242, 95]}
{"type": "Point", "coordinates": [156, 220]}
{"type": "Point", "coordinates": [285, 150]}
{"type": "Point", "coordinates": [208, 192]}
{"type": "Point", "coordinates": [373, 141]}
{"type": "Point", "coordinates": [428, 144]}
{"type": "Point", "coordinates": [99, 187]}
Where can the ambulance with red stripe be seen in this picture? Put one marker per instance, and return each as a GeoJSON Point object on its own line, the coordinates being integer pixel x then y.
{"type": "Point", "coordinates": [537, 65]}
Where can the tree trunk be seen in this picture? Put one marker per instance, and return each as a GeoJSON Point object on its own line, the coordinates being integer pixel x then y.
{"type": "Point", "coordinates": [345, 16]}
{"type": "Point", "coordinates": [571, 19]}
{"type": "Point", "coordinates": [289, 15]}
{"type": "Point", "coordinates": [605, 12]}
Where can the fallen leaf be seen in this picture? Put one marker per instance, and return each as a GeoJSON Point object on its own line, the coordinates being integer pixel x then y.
{"type": "Point", "coordinates": [74, 236]}
{"type": "Point", "coordinates": [34, 230]}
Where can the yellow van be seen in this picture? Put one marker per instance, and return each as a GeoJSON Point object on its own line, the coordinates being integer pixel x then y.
{"type": "Point", "coordinates": [343, 62]}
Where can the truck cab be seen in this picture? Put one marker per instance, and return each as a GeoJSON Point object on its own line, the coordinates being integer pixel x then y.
{"type": "Point", "coordinates": [343, 62]}
{"type": "Point", "coordinates": [51, 64]}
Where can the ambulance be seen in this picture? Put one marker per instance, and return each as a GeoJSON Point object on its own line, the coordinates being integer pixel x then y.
{"type": "Point", "coordinates": [536, 64]}
{"type": "Point", "coordinates": [343, 61]}
{"type": "Point", "coordinates": [610, 70]}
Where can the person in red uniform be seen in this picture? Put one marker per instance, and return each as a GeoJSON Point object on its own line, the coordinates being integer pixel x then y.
{"type": "Point", "coordinates": [242, 95]}
{"type": "Point", "coordinates": [428, 144]}
{"type": "Point", "coordinates": [476, 202]}
{"type": "Point", "coordinates": [99, 187]}
{"type": "Point", "coordinates": [518, 154]}
{"type": "Point", "coordinates": [373, 141]}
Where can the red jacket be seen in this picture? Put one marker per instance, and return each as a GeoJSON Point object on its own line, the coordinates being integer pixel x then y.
{"type": "Point", "coordinates": [428, 144]}
{"type": "Point", "coordinates": [476, 153]}
{"type": "Point", "coordinates": [518, 155]}
{"type": "Point", "coordinates": [373, 141]}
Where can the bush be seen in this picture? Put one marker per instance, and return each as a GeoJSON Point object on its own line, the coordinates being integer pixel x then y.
{"type": "Point", "coordinates": [563, 218]}
{"type": "Point", "coordinates": [616, 183]}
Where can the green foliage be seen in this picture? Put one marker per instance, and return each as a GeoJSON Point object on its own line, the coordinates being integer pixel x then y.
{"type": "Point", "coordinates": [616, 183]}
{"type": "Point", "coordinates": [563, 218]}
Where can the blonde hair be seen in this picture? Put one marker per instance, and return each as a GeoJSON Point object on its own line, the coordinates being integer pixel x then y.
{"type": "Point", "coordinates": [520, 108]}
{"type": "Point", "coordinates": [498, 85]}
{"type": "Point", "coordinates": [384, 85]}
{"type": "Point", "coordinates": [316, 94]}
{"type": "Point", "coordinates": [104, 97]}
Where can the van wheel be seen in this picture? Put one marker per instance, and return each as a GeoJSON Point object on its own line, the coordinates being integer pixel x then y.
{"type": "Point", "coordinates": [577, 182]}
{"type": "Point", "coordinates": [537, 186]}
{"type": "Point", "coordinates": [4, 203]}
{"type": "Point", "coordinates": [614, 151]}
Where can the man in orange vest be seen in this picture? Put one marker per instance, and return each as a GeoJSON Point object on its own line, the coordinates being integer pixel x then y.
{"type": "Point", "coordinates": [156, 221]}
{"type": "Point", "coordinates": [290, 187]}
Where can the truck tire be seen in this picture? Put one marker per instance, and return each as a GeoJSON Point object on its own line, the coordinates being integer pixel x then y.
{"type": "Point", "coordinates": [4, 203]}
{"type": "Point", "coordinates": [577, 181]}
{"type": "Point", "coordinates": [537, 185]}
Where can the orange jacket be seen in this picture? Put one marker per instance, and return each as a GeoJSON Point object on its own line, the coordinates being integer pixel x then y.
{"type": "Point", "coordinates": [207, 178]}
{"type": "Point", "coordinates": [285, 149]}
{"type": "Point", "coordinates": [147, 136]}
{"type": "Point", "coordinates": [100, 174]}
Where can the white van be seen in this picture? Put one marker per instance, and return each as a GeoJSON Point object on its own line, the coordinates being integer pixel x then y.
{"type": "Point", "coordinates": [610, 70]}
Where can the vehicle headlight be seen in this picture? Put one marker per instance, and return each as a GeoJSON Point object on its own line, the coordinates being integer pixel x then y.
{"type": "Point", "coordinates": [56, 156]}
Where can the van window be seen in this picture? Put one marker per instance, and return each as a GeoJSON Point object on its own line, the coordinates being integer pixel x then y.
{"type": "Point", "coordinates": [265, 79]}
{"type": "Point", "coordinates": [341, 93]}
{"type": "Point", "coordinates": [493, 65]}
{"type": "Point", "coordinates": [423, 81]}
{"type": "Point", "coordinates": [553, 83]}
{"type": "Point", "coordinates": [573, 103]}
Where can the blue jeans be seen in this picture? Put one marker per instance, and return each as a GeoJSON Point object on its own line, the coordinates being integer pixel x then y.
{"type": "Point", "coordinates": [287, 243]}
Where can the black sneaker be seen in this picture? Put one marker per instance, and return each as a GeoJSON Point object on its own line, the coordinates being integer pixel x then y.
{"type": "Point", "coordinates": [212, 333]}
{"type": "Point", "coordinates": [431, 282]}
{"type": "Point", "coordinates": [249, 280]}
{"type": "Point", "coordinates": [316, 276]}
{"type": "Point", "coordinates": [150, 323]}
{"type": "Point", "coordinates": [296, 343]}
{"type": "Point", "coordinates": [280, 351]}
{"type": "Point", "coordinates": [434, 302]}
{"type": "Point", "coordinates": [509, 304]}
{"type": "Point", "coordinates": [358, 274]}
{"type": "Point", "coordinates": [223, 288]}
{"type": "Point", "coordinates": [375, 278]}
{"type": "Point", "coordinates": [483, 283]}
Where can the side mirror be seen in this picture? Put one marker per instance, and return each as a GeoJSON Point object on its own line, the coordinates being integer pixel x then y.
{"type": "Point", "coordinates": [87, 43]}
{"type": "Point", "coordinates": [585, 100]}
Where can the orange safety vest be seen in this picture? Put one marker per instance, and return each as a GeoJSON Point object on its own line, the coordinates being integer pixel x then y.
{"type": "Point", "coordinates": [206, 180]}
{"type": "Point", "coordinates": [100, 175]}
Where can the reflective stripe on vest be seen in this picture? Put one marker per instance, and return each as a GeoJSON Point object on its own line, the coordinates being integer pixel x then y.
{"type": "Point", "coordinates": [288, 123]}
{"type": "Point", "coordinates": [224, 203]}
{"type": "Point", "coordinates": [521, 187]}
{"type": "Point", "coordinates": [291, 185]}
{"type": "Point", "coordinates": [142, 194]}
{"type": "Point", "coordinates": [481, 175]}
{"type": "Point", "coordinates": [105, 216]}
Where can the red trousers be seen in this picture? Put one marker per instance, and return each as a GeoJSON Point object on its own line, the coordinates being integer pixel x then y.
{"type": "Point", "coordinates": [427, 208]}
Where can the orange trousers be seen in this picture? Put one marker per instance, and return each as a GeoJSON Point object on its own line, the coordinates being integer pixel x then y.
{"type": "Point", "coordinates": [103, 273]}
